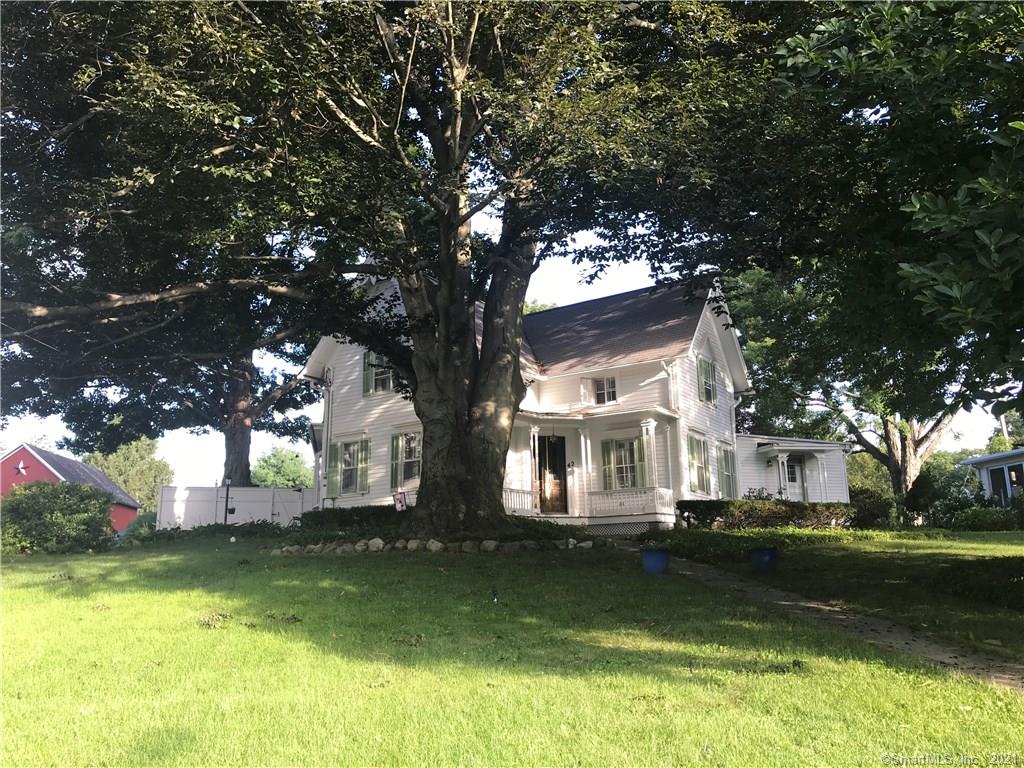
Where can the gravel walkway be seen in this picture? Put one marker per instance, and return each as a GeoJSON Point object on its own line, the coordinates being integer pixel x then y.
{"type": "Point", "coordinates": [877, 631]}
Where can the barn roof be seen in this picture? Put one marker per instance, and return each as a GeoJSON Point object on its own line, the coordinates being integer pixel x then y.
{"type": "Point", "coordinates": [74, 471]}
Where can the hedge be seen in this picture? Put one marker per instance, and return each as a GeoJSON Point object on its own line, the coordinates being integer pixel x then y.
{"type": "Point", "coordinates": [764, 513]}
{"type": "Point", "coordinates": [56, 518]}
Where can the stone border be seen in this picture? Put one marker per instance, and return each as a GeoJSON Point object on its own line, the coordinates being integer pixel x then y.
{"type": "Point", "coordinates": [376, 544]}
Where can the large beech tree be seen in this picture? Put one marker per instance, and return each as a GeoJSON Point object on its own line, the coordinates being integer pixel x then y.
{"type": "Point", "coordinates": [373, 135]}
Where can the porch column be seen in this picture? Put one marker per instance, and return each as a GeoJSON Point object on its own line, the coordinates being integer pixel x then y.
{"type": "Point", "coordinates": [647, 427]}
{"type": "Point", "coordinates": [782, 462]}
{"type": "Point", "coordinates": [583, 472]}
{"type": "Point", "coordinates": [534, 459]}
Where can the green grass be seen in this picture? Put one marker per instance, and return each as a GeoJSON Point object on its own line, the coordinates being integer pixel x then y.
{"type": "Point", "coordinates": [206, 653]}
{"type": "Point", "coordinates": [963, 587]}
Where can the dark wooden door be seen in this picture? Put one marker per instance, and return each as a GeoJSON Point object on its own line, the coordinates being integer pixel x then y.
{"type": "Point", "coordinates": [551, 463]}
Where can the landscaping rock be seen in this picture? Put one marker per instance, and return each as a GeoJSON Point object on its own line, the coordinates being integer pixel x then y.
{"type": "Point", "coordinates": [488, 545]}
{"type": "Point", "coordinates": [275, 553]}
{"type": "Point", "coordinates": [345, 548]}
{"type": "Point", "coordinates": [330, 547]}
{"type": "Point", "coordinates": [413, 545]}
{"type": "Point", "coordinates": [561, 544]}
{"type": "Point", "coordinates": [470, 546]}
{"type": "Point", "coordinates": [453, 546]}
{"type": "Point", "coordinates": [435, 546]}
{"type": "Point", "coordinates": [318, 548]}
{"type": "Point", "coordinates": [362, 545]}
{"type": "Point", "coordinates": [388, 547]}
{"type": "Point", "coordinates": [585, 545]}
{"type": "Point", "coordinates": [400, 544]}
{"type": "Point", "coordinates": [530, 545]}
{"type": "Point", "coordinates": [375, 544]}
{"type": "Point", "coordinates": [310, 549]}
{"type": "Point", "coordinates": [510, 546]}
{"type": "Point", "coordinates": [571, 543]}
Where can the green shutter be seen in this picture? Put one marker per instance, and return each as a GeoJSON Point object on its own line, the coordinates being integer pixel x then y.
{"type": "Point", "coordinates": [713, 372]}
{"type": "Point", "coordinates": [691, 450]}
{"type": "Point", "coordinates": [700, 378]}
{"type": "Point", "coordinates": [641, 462]}
{"type": "Point", "coordinates": [723, 483]}
{"type": "Point", "coordinates": [367, 372]}
{"type": "Point", "coordinates": [333, 468]}
{"type": "Point", "coordinates": [608, 464]}
{"type": "Point", "coordinates": [364, 466]}
{"type": "Point", "coordinates": [396, 458]}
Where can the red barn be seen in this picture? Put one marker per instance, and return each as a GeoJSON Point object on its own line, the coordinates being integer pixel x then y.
{"type": "Point", "coordinates": [27, 464]}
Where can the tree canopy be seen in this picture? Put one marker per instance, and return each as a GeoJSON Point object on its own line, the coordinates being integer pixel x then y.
{"type": "Point", "coordinates": [136, 468]}
{"type": "Point", "coordinates": [282, 468]}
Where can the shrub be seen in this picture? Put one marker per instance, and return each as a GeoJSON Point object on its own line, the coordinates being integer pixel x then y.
{"type": "Point", "coordinates": [763, 513]}
{"type": "Point", "coordinates": [871, 509]}
{"type": "Point", "coordinates": [992, 580]}
{"type": "Point", "coordinates": [984, 518]}
{"type": "Point", "coordinates": [56, 517]}
{"type": "Point", "coordinates": [342, 518]}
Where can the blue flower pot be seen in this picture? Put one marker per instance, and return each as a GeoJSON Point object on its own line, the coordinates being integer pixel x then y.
{"type": "Point", "coordinates": [764, 559]}
{"type": "Point", "coordinates": [655, 561]}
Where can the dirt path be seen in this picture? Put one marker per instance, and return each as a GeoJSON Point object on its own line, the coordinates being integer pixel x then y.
{"type": "Point", "coordinates": [877, 631]}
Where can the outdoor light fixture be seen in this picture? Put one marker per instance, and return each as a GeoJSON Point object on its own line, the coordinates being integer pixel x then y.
{"type": "Point", "coordinates": [227, 495]}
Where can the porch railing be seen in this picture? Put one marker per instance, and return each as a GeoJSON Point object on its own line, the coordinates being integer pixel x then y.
{"type": "Point", "coordinates": [521, 502]}
{"type": "Point", "coordinates": [630, 501]}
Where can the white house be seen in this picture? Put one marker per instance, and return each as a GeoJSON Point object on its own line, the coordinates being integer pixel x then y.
{"type": "Point", "coordinates": [631, 405]}
{"type": "Point", "coordinates": [1001, 474]}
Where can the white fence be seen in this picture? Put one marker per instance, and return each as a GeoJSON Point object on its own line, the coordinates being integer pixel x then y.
{"type": "Point", "coordinates": [199, 505]}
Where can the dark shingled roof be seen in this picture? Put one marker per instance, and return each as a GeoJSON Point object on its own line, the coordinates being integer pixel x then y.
{"type": "Point", "coordinates": [74, 471]}
{"type": "Point", "coordinates": [635, 327]}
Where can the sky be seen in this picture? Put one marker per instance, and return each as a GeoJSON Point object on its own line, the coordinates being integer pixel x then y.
{"type": "Point", "coordinates": [197, 460]}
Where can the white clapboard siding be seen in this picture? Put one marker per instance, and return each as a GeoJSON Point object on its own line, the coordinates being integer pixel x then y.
{"type": "Point", "coordinates": [644, 385]}
{"type": "Point", "coordinates": [189, 507]}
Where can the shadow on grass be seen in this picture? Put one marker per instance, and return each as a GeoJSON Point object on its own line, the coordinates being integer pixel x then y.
{"type": "Point", "coordinates": [544, 613]}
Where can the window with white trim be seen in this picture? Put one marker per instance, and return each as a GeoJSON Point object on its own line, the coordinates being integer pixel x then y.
{"type": "Point", "coordinates": [377, 376]}
{"type": "Point", "coordinates": [348, 468]}
{"type": "Point", "coordinates": [406, 456]}
{"type": "Point", "coordinates": [707, 385]}
{"type": "Point", "coordinates": [727, 485]}
{"type": "Point", "coordinates": [623, 463]}
{"type": "Point", "coordinates": [700, 470]}
{"type": "Point", "coordinates": [604, 390]}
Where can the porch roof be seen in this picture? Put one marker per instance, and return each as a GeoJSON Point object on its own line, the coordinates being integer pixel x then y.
{"type": "Point", "coordinates": [771, 444]}
{"type": "Point", "coordinates": [1006, 457]}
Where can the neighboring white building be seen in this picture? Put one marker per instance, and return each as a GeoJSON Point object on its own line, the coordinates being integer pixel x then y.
{"type": "Point", "coordinates": [631, 405]}
{"type": "Point", "coordinates": [1001, 474]}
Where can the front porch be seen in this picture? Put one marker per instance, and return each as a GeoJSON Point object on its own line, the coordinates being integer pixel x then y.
{"type": "Point", "coordinates": [611, 471]}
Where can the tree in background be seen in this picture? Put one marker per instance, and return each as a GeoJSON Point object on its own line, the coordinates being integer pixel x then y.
{"type": "Point", "coordinates": [136, 468]}
{"type": "Point", "coordinates": [282, 468]}
{"type": "Point", "coordinates": [1014, 436]}
{"type": "Point", "coordinates": [536, 306]}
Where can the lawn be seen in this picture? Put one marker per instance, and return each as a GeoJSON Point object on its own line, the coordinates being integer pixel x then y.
{"type": "Point", "coordinates": [964, 587]}
{"type": "Point", "coordinates": [209, 653]}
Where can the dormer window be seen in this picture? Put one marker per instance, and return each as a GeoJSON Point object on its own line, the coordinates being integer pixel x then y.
{"type": "Point", "coordinates": [604, 391]}
{"type": "Point", "coordinates": [376, 374]}
{"type": "Point", "coordinates": [707, 386]}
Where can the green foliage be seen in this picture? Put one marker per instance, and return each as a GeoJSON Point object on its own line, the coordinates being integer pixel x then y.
{"type": "Point", "coordinates": [993, 581]}
{"type": "Point", "coordinates": [865, 472]}
{"type": "Point", "coordinates": [282, 468]}
{"type": "Point", "coordinates": [56, 517]}
{"type": "Point", "coordinates": [764, 513]}
{"type": "Point", "coordinates": [942, 479]}
{"type": "Point", "coordinates": [999, 443]}
{"type": "Point", "coordinates": [136, 468]}
{"type": "Point", "coordinates": [872, 508]}
{"type": "Point", "coordinates": [982, 517]}
{"type": "Point", "coordinates": [734, 545]}
{"type": "Point", "coordinates": [382, 517]}
{"type": "Point", "coordinates": [530, 307]}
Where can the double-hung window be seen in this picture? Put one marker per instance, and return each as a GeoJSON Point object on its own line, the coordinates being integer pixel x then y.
{"type": "Point", "coordinates": [377, 375]}
{"type": "Point", "coordinates": [623, 463]}
{"type": "Point", "coordinates": [727, 487]}
{"type": "Point", "coordinates": [406, 452]}
{"type": "Point", "coordinates": [604, 390]}
{"type": "Point", "coordinates": [348, 468]}
{"type": "Point", "coordinates": [700, 470]}
{"type": "Point", "coordinates": [707, 386]}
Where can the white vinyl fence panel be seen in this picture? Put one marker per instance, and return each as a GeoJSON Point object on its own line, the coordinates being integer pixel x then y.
{"type": "Point", "coordinates": [199, 505]}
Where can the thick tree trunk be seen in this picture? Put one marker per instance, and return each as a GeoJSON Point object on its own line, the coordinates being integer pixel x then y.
{"type": "Point", "coordinates": [237, 427]}
{"type": "Point", "coordinates": [467, 396]}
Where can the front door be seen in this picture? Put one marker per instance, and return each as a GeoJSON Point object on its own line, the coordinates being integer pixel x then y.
{"type": "Point", "coordinates": [795, 478]}
{"type": "Point", "coordinates": [551, 467]}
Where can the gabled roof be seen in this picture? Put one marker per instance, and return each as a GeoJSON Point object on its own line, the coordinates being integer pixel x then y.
{"type": "Point", "coordinates": [634, 327]}
{"type": "Point", "coordinates": [74, 471]}
{"type": "Point", "coordinates": [1016, 453]}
